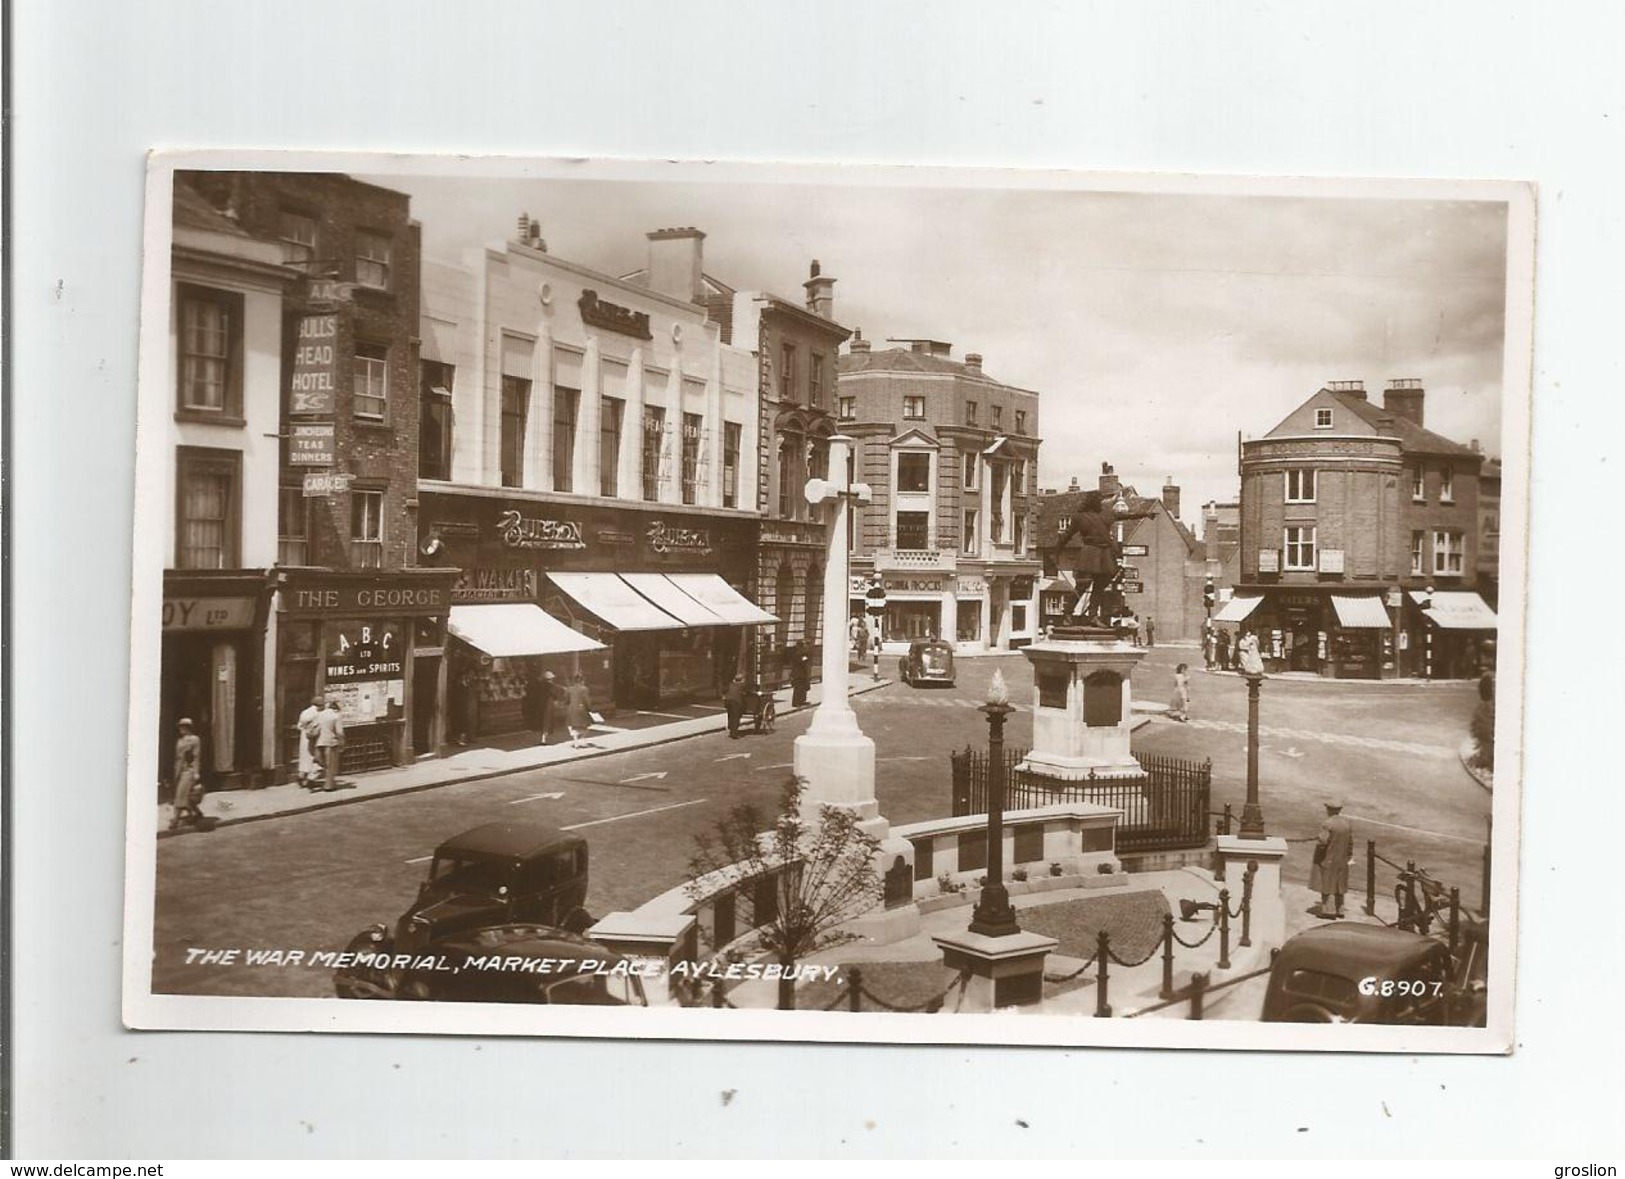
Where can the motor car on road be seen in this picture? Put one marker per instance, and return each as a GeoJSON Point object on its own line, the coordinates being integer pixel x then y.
{"type": "Point", "coordinates": [929, 661]}
{"type": "Point", "coordinates": [1346, 972]}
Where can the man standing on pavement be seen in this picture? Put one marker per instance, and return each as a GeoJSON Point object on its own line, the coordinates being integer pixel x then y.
{"type": "Point", "coordinates": [330, 744]}
{"type": "Point", "coordinates": [547, 699]}
{"type": "Point", "coordinates": [1333, 848]}
{"type": "Point", "coordinates": [800, 675]}
{"type": "Point", "coordinates": [1150, 631]}
{"type": "Point", "coordinates": [734, 698]}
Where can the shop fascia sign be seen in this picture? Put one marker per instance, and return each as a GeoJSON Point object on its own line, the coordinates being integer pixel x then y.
{"type": "Point", "coordinates": [971, 586]}
{"type": "Point", "coordinates": [208, 613]}
{"type": "Point", "coordinates": [519, 531]}
{"type": "Point", "coordinates": [595, 312]}
{"type": "Point", "coordinates": [913, 585]}
{"type": "Point", "coordinates": [483, 584]}
{"type": "Point", "coordinates": [665, 538]}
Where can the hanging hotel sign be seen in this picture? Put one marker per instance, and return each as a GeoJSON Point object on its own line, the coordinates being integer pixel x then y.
{"type": "Point", "coordinates": [612, 317]}
{"type": "Point", "coordinates": [495, 585]}
{"type": "Point", "coordinates": [311, 444]}
{"type": "Point", "coordinates": [314, 384]}
{"type": "Point", "coordinates": [663, 538]}
{"type": "Point", "coordinates": [532, 532]}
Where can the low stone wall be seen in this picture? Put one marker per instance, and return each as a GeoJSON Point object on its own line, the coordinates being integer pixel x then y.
{"type": "Point", "coordinates": [1071, 839]}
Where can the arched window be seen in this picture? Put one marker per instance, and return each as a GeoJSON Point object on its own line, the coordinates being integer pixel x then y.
{"type": "Point", "coordinates": [784, 594]}
{"type": "Point", "coordinates": [813, 618]}
{"type": "Point", "coordinates": [788, 451]}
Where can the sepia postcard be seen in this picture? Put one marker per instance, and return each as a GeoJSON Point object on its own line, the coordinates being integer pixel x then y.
{"type": "Point", "coordinates": [815, 603]}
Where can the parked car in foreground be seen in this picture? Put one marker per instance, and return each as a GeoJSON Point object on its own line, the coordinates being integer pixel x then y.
{"type": "Point", "coordinates": [929, 661]}
{"type": "Point", "coordinates": [1351, 973]}
{"type": "Point", "coordinates": [496, 875]}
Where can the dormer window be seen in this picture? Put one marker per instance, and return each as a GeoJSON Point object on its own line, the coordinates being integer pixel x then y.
{"type": "Point", "coordinates": [1323, 419]}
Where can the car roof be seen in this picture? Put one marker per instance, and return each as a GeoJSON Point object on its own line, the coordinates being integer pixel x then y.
{"type": "Point", "coordinates": [917, 643]}
{"type": "Point", "coordinates": [1356, 949]}
{"type": "Point", "coordinates": [518, 841]}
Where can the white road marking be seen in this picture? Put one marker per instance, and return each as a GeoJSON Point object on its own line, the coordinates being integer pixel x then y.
{"type": "Point", "coordinates": [534, 797]}
{"type": "Point", "coordinates": [778, 765]}
{"type": "Point", "coordinates": [420, 860]}
{"type": "Point", "coordinates": [633, 815]}
{"type": "Point", "coordinates": [667, 715]}
{"type": "Point", "coordinates": [733, 757]}
{"type": "Point", "coordinates": [657, 774]}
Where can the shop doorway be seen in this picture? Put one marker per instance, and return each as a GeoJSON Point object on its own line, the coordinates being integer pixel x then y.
{"type": "Point", "coordinates": [425, 695]}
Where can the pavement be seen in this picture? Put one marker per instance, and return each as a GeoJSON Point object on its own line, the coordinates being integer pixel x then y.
{"type": "Point", "coordinates": [475, 762]}
{"type": "Point", "coordinates": [1070, 985]}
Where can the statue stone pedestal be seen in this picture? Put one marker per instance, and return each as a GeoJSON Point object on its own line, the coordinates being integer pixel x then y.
{"type": "Point", "coordinates": [1269, 907]}
{"type": "Point", "coordinates": [1005, 971]}
{"type": "Point", "coordinates": [1082, 716]}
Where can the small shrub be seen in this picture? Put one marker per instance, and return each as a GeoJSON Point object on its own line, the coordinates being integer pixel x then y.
{"type": "Point", "coordinates": [946, 884]}
{"type": "Point", "coordinates": [1018, 874]}
{"type": "Point", "coordinates": [1105, 869]}
{"type": "Point", "coordinates": [1055, 868]}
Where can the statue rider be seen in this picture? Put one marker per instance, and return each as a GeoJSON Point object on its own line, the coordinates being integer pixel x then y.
{"type": "Point", "coordinates": [1099, 559]}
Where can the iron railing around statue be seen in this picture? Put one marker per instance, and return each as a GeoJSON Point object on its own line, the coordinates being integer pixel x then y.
{"type": "Point", "coordinates": [1165, 808]}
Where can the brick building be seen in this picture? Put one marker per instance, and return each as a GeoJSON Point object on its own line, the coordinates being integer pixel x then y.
{"type": "Point", "coordinates": [1360, 534]}
{"type": "Point", "coordinates": [1164, 561]}
{"type": "Point", "coordinates": [1221, 544]}
{"type": "Point", "coordinates": [952, 457]}
{"type": "Point", "coordinates": [357, 619]}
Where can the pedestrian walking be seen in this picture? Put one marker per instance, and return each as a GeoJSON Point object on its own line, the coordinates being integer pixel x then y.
{"type": "Point", "coordinates": [547, 693]}
{"type": "Point", "coordinates": [734, 700]}
{"type": "Point", "coordinates": [1180, 707]}
{"type": "Point", "coordinates": [187, 799]}
{"type": "Point", "coordinates": [1151, 631]}
{"type": "Point", "coordinates": [1334, 847]}
{"type": "Point", "coordinates": [330, 744]}
{"type": "Point", "coordinates": [1247, 656]}
{"type": "Point", "coordinates": [800, 675]}
{"type": "Point", "coordinates": [1221, 642]}
{"type": "Point", "coordinates": [578, 710]}
{"type": "Point", "coordinates": [310, 766]}
{"type": "Point", "coordinates": [1209, 648]}
{"type": "Point", "coordinates": [863, 643]}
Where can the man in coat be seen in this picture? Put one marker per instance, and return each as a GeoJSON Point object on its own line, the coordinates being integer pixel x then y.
{"type": "Point", "coordinates": [1334, 846]}
{"type": "Point", "coordinates": [330, 744]}
{"type": "Point", "coordinates": [734, 698]}
{"type": "Point", "coordinates": [800, 675]}
{"type": "Point", "coordinates": [310, 765]}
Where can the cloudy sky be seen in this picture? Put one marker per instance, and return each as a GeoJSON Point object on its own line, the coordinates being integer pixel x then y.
{"type": "Point", "coordinates": [1154, 325]}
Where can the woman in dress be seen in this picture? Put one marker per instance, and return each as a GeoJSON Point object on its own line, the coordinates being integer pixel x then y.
{"type": "Point", "coordinates": [1180, 707]}
{"type": "Point", "coordinates": [188, 796]}
{"type": "Point", "coordinates": [577, 710]}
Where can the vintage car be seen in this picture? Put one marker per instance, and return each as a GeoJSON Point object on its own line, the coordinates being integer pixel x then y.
{"type": "Point", "coordinates": [502, 964]}
{"type": "Point", "coordinates": [929, 661]}
{"type": "Point", "coordinates": [1351, 973]}
{"type": "Point", "coordinates": [498, 874]}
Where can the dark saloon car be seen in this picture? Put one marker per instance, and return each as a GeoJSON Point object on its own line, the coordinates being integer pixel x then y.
{"type": "Point", "coordinates": [929, 661]}
{"type": "Point", "coordinates": [494, 875]}
{"type": "Point", "coordinates": [502, 964]}
{"type": "Point", "coordinates": [1350, 973]}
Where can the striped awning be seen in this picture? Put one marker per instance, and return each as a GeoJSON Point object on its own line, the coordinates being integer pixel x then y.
{"type": "Point", "coordinates": [1357, 613]}
{"type": "Point", "coordinates": [1238, 608]}
{"type": "Point", "coordinates": [1456, 609]}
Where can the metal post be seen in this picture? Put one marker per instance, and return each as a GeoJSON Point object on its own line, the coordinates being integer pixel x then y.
{"type": "Point", "coordinates": [855, 990]}
{"type": "Point", "coordinates": [1103, 1009]}
{"type": "Point", "coordinates": [1371, 878]}
{"type": "Point", "coordinates": [1252, 815]}
{"type": "Point", "coordinates": [1413, 911]}
{"type": "Point", "coordinates": [1247, 903]}
{"type": "Point", "coordinates": [1224, 929]}
{"type": "Point", "coordinates": [1167, 991]}
{"type": "Point", "coordinates": [993, 916]}
{"type": "Point", "coordinates": [1229, 819]}
{"type": "Point", "coordinates": [1198, 989]}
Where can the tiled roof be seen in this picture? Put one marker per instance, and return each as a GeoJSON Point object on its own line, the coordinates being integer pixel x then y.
{"type": "Point", "coordinates": [1411, 436]}
{"type": "Point", "coordinates": [194, 212]}
{"type": "Point", "coordinates": [906, 360]}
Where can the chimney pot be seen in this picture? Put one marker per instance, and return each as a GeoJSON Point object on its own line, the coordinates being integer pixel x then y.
{"type": "Point", "coordinates": [973, 361]}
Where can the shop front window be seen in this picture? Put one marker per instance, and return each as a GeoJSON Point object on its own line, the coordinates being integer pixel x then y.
{"type": "Point", "coordinates": [908, 621]}
{"type": "Point", "coordinates": [969, 622]}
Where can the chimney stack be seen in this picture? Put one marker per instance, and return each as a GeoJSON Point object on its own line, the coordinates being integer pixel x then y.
{"type": "Point", "coordinates": [1403, 399]}
{"type": "Point", "coordinates": [1170, 497]}
{"type": "Point", "coordinates": [677, 262]}
{"type": "Point", "coordinates": [820, 292]}
{"type": "Point", "coordinates": [973, 361]}
{"type": "Point", "coordinates": [524, 228]}
{"type": "Point", "coordinates": [1073, 486]}
{"type": "Point", "coordinates": [1109, 484]}
{"type": "Point", "coordinates": [859, 344]}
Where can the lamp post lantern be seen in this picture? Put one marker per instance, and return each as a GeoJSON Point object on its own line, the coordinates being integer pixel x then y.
{"type": "Point", "coordinates": [993, 916]}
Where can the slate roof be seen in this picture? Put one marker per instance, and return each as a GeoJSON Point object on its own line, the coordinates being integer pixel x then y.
{"type": "Point", "coordinates": [906, 360]}
{"type": "Point", "coordinates": [1412, 437]}
{"type": "Point", "coordinates": [192, 211]}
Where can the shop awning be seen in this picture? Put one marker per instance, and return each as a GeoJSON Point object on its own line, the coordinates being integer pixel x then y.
{"type": "Point", "coordinates": [1361, 612]}
{"type": "Point", "coordinates": [1457, 609]}
{"type": "Point", "coordinates": [717, 595]}
{"type": "Point", "coordinates": [657, 587]}
{"type": "Point", "coordinates": [1237, 608]}
{"type": "Point", "coordinates": [607, 597]}
{"type": "Point", "coordinates": [509, 629]}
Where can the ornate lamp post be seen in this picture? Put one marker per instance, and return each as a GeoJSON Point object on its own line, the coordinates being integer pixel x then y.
{"type": "Point", "coordinates": [993, 916]}
{"type": "Point", "coordinates": [1252, 815]}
